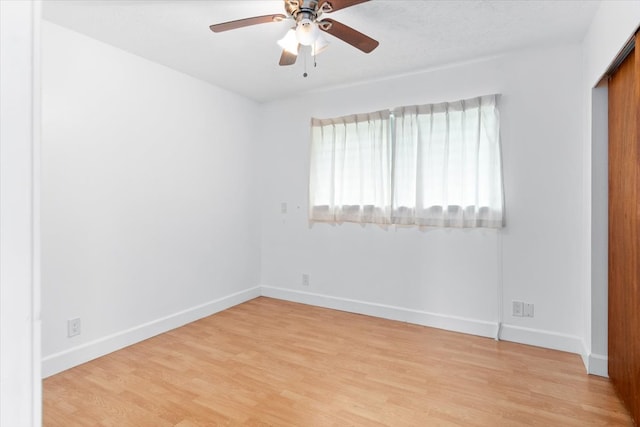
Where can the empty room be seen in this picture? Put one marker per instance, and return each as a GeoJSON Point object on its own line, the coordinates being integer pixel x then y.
{"type": "Point", "coordinates": [320, 213]}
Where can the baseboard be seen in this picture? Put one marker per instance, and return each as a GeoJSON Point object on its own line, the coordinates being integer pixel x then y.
{"type": "Point", "coordinates": [584, 354]}
{"type": "Point", "coordinates": [542, 338]}
{"type": "Point", "coordinates": [595, 364]}
{"type": "Point", "coordinates": [61, 361]}
{"type": "Point", "coordinates": [435, 320]}
{"type": "Point", "coordinates": [598, 365]}
{"type": "Point", "coordinates": [535, 337]}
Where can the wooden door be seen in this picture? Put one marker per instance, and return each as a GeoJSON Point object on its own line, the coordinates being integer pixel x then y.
{"type": "Point", "coordinates": [624, 226]}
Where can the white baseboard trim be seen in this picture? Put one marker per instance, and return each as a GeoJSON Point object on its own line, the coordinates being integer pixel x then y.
{"type": "Point", "coordinates": [595, 364]}
{"type": "Point", "coordinates": [452, 323]}
{"type": "Point", "coordinates": [542, 338]}
{"type": "Point", "coordinates": [75, 356]}
{"type": "Point", "coordinates": [535, 337]}
{"type": "Point", "coordinates": [584, 354]}
{"type": "Point", "coordinates": [598, 365]}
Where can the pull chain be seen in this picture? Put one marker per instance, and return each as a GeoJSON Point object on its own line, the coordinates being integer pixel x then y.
{"type": "Point", "coordinates": [305, 66]}
{"type": "Point", "coordinates": [315, 64]}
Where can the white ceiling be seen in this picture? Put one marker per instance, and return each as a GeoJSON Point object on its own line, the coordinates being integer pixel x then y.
{"type": "Point", "coordinates": [413, 35]}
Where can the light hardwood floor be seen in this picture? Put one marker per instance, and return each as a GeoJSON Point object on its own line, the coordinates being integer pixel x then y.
{"type": "Point", "coordinates": [275, 363]}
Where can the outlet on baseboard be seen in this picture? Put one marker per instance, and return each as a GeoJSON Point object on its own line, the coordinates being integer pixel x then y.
{"type": "Point", "coordinates": [305, 280]}
{"type": "Point", "coordinates": [73, 327]}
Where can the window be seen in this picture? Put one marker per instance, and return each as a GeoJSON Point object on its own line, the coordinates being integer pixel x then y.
{"type": "Point", "coordinates": [429, 165]}
{"type": "Point", "coordinates": [351, 169]}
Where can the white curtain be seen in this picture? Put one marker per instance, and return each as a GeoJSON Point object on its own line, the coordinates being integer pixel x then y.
{"type": "Point", "coordinates": [350, 169]}
{"type": "Point", "coordinates": [430, 165]}
{"type": "Point", "coordinates": [447, 165]}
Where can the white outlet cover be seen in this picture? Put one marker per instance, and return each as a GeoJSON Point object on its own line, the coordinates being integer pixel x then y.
{"type": "Point", "coordinates": [73, 327]}
{"type": "Point", "coordinates": [518, 308]}
{"type": "Point", "coordinates": [528, 310]}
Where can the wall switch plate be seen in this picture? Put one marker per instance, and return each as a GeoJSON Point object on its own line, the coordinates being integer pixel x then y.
{"type": "Point", "coordinates": [528, 310]}
{"type": "Point", "coordinates": [73, 327]}
{"type": "Point", "coordinates": [305, 280]}
{"type": "Point", "coordinates": [517, 308]}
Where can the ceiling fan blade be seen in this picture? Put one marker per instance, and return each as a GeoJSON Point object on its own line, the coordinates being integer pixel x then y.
{"type": "Point", "coordinates": [232, 25]}
{"type": "Point", "coordinates": [339, 4]}
{"type": "Point", "coordinates": [288, 58]}
{"type": "Point", "coordinates": [349, 35]}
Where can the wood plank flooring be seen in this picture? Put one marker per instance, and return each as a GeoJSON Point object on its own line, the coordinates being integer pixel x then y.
{"type": "Point", "coordinates": [275, 363]}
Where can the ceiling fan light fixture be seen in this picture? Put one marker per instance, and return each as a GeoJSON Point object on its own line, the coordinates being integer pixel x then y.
{"type": "Point", "coordinates": [309, 28]}
{"type": "Point", "coordinates": [289, 42]}
{"type": "Point", "coordinates": [307, 32]}
{"type": "Point", "coordinates": [320, 45]}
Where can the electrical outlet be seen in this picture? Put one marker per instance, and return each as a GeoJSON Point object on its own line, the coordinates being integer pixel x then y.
{"type": "Point", "coordinates": [517, 308]}
{"type": "Point", "coordinates": [73, 327]}
{"type": "Point", "coordinates": [305, 280]}
{"type": "Point", "coordinates": [283, 207]}
{"type": "Point", "coordinates": [528, 310]}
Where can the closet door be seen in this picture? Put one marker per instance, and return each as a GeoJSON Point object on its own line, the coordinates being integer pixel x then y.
{"type": "Point", "coordinates": [624, 229]}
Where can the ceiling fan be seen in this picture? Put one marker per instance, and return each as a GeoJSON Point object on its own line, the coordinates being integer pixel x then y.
{"type": "Point", "coordinates": [309, 25]}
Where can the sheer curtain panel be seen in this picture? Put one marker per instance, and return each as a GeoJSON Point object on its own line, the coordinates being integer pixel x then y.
{"type": "Point", "coordinates": [447, 165]}
{"type": "Point", "coordinates": [350, 169]}
{"type": "Point", "coordinates": [435, 165]}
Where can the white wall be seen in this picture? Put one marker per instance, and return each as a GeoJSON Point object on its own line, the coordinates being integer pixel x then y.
{"type": "Point", "coordinates": [614, 23]}
{"type": "Point", "coordinates": [445, 278]}
{"type": "Point", "coordinates": [140, 233]}
{"type": "Point", "coordinates": [148, 194]}
{"type": "Point", "coordinates": [20, 385]}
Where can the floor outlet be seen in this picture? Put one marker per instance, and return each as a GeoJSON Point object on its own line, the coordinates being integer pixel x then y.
{"type": "Point", "coordinates": [73, 327]}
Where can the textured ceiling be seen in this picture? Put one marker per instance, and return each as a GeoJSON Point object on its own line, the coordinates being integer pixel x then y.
{"type": "Point", "coordinates": [413, 35]}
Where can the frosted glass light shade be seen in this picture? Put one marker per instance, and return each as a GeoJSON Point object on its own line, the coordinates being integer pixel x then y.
{"type": "Point", "coordinates": [307, 32]}
{"type": "Point", "coordinates": [320, 45]}
{"type": "Point", "coordinates": [289, 42]}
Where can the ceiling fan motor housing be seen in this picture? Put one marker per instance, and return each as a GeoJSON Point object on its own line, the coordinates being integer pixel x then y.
{"type": "Point", "coordinates": [301, 9]}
